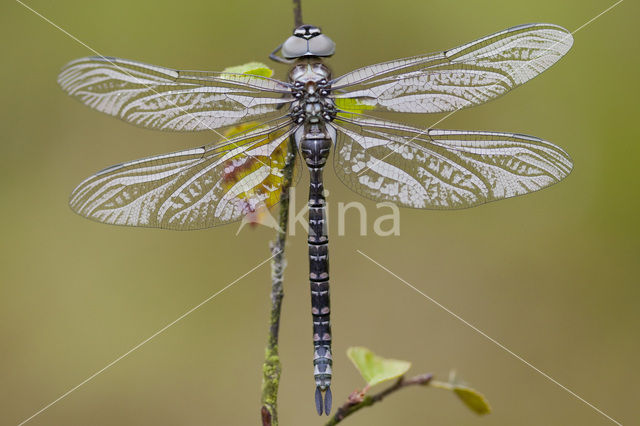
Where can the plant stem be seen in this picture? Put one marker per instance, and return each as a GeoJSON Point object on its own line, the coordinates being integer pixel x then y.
{"type": "Point", "coordinates": [354, 404]}
{"type": "Point", "coordinates": [297, 13]}
{"type": "Point", "coordinates": [271, 368]}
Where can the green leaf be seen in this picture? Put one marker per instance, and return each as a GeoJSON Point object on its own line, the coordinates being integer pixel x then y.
{"type": "Point", "coordinates": [253, 68]}
{"type": "Point", "coordinates": [472, 399]}
{"type": "Point", "coordinates": [351, 107]}
{"type": "Point", "coordinates": [375, 369]}
{"type": "Point", "coordinates": [240, 128]}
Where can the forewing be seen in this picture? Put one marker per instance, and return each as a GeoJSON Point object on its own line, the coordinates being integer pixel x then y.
{"type": "Point", "coordinates": [166, 99]}
{"type": "Point", "coordinates": [192, 189]}
{"type": "Point", "coordinates": [468, 75]}
{"type": "Point", "coordinates": [442, 169]}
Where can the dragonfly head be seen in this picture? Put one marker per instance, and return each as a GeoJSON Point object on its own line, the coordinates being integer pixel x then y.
{"type": "Point", "coordinates": [307, 41]}
{"type": "Point", "coordinates": [307, 31]}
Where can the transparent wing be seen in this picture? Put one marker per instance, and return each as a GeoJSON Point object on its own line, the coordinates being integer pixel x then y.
{"type": "Point", "coordinates": [191, 189]}
{"type": "Point", "coordinates": [442, 169]}
{"type": "Point", "coordinates": [166, 99]}
{"type": "Point", "coordinates": [458, 78]}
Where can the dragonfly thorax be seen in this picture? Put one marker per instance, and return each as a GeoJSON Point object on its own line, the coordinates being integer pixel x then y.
{"type": "Point", "coordinates": [311, 88]}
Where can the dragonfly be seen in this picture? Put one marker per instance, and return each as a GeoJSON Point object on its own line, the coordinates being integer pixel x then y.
{"type": "Point", "coordinates": [313, 115]}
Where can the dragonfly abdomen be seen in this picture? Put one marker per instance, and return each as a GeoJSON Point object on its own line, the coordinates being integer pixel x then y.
{"type": "Point", "coordinates": [315, 144]}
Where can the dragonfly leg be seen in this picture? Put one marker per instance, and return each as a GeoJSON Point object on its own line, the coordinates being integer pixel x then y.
{"type": "Point", "coordinates": [280, 59]}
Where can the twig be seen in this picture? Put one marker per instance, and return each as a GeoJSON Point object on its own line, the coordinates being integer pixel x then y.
{"type": "Point", "coordinates": [297, 13]}
{"type": "Point", "coordinates": [271, 368]}
{"type": "Point", "coordinates": [357, 401]}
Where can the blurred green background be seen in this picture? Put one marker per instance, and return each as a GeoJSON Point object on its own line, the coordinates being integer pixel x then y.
{"type": "Point", "coordinates": [552, 275]}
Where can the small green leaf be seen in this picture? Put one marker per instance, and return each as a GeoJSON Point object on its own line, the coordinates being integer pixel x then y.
{"type": "Point", "coordinates": [472, 399]}
{"type": "Point", "coordinates": [375, 369]}
{"type": "Point", "coordinates": [253, 68]}
{"type": "Point", "coordinates": [350, 107]}
{"type": "Point", "coordinates": [240, 128]}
